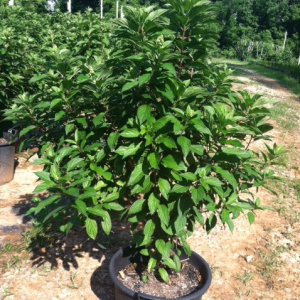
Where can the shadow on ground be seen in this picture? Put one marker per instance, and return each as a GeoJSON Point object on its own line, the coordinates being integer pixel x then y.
{"type": "Point", "coordinates": [49, 246]}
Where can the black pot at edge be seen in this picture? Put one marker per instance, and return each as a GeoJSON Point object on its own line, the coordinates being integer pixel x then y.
{"type": "Point", "coordinates": [122, 258]}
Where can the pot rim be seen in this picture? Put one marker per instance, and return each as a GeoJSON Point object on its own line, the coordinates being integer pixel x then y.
{"type": "Point", "coordinates": [133, 294]}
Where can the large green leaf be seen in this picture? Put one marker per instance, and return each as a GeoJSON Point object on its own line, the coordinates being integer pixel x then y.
{"type": "Point", "coordinates": [91, 228]}
{"type": "Point", "coordinates": [154, 160]}
{"type": "Point", "coordinates": [143, 113]}
{"type": "Point", "coordinates": [136, 175]}
{"type": "Point", "coordinates": [136, 207]}
{"type": "Point", "coordinates": [185, 145]}
{"type": "Point", "coordinates": [164, 187]}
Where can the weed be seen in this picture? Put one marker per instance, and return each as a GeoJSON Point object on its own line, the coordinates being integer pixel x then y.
{"type": "Point", "coordinates": [6, 293]}
{"type": "Point", "coordinates": [246, 277]}
{"type": "Point", "coordinates": [73, 284]}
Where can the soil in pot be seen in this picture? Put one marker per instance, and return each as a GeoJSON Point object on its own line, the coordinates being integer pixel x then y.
{"type": "Point", "coordinates": [180, 284]}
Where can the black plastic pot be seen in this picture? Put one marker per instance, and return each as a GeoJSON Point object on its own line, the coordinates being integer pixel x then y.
{"type": "Point", "coordinates": [124, 257]}
{"type": "Point", "coordinates": [7, 161]}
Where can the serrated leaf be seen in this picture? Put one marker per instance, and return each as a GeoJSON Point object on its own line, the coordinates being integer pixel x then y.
{"type": "Point", "coordinates": [130, 133]}
{"type": "Point", "coordinates": [237, 152]}
{"type": "Point", "coordinates": [153, 203]}
{"type": "Point", "coordinates": [149, 228]}
{"type": "Point", "coordinates": [160, 123]}
{"type": "Point", "coordinates": [73, 163]}
{"type": "Point", "coordinates": [227, 176]}
{"type": "Point", "coordinates": [45, 176]}
{"type": "Point", "coordinates": [189, 176]}
{"type": "Point", "coordinates": [113, 206]}
{"type": "Point", "coordinates": [136, 207]}
{"type": "Point", "coordinates": [136, 175]}
{"type": "Point", "coordinates": [151, 264]}
{"type": "Point", "coordinates": [170, 263]}
{"type": "Point", "coordinates": [26, 130]}
{"type": "Point", "coordinates": [163, 214]}
{"type": "Point", "coordinates": [179, 189]}
{"type": "Point", "coordinates": [54, 171]}
{"type": "Point", "coordinates": [69, 128]}
{"type": "Point", "coordinates": [44, 186]}
{"type": "Point", "coordinates": [167, 141]}
{"type": "Point", "coordinates": [163, 274]}
{"type": "Point", "coordinates": [145, 78]}
{"type": "Point", "coordinates": [143, 113]}
{"type": "Point", "coordinates": [164, 187]}
{"type": "Point", "coordinates": [81, 206]}
{"type": "Point", "coordinates": [91, 228]}
{"type": "Point", "coordinates": [197, 149]}
{"type": "Point", "coordinates": [154, 160]}
{"type": "Point", "coordinates": [198, 216]}
{"type": "Point", "coordinates": [129, 85]}
{"type": "Point", "coordinates": [213, 181]}
{"type": "Point", "coordinates": [185, 145]}
{"type": "Point", "coordinates": [169, 162]}
{"type": "Point", "coordinates": [112, 140]}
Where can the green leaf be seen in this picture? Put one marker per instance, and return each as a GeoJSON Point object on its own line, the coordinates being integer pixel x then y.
{"type": "Point", "coordinates": [198, 216]}
{"type": "Point", "coordinates": [161, 123]}
{"type": "Point", "coordinates": [169, 162]}
{"type": "Point", "coordinates": [170, 263]}
{"type": "Point", "coordinates": [149, 228]}
{"type": "Point", "coordinates": [136, 207]}
{"type": "Point", "coordinates": [106, 223]}
{"type": "Point", "coordinates": [91, 228]}
{"type": "Point", "coordinates": [164, 187]}
{"type": "Point", "coordinates": [54, 171]}
{"type": "Point", "coordinates": [153, 203]}
{"type": "Point", "coordinates": [145, 78]}
{"type": "Point", "coordinates": [197, 149]}
{"type": "Point", "coordinates": [185, 145]}
{"type": "Point", "coordinates": [129, 85]}
{"type": "Point", "coordinates": [45, 176]}
{"type": "Point", "coordinates": [179, 189]}
{"type": "Point", "coordinates": [143, 113]}
{"type": "Point", "coordinates": [59, 115]}
{"type": "Point", "coordinates": [73, 163]}
{"type": "Point", "coordinates": [169, 67]}
{"type": "Point", "coordinates": [44, 186]}
{"type": "Point", "coordinates": [130, 133]}
{"type": "Point", "coordinates": [26, 130]}
{"type": "Point", "coordinates": [112, 140]}
{"type": "Point", "coordinates": [154, 159]}
{"type": "Point", "coordinates": [151, 264]}
{"type": "Point", "coordinates": [227, 176]}
{"type": "Point", "coordinates": [55, 102]}
{"type": "Point", "coordinates": [111, 197]}
{"type": "Point", "coordinates": [167, 141]}
{"type": "Point", "coordinates": [113, 206]}
{"type": "Point", "coordinates": [237, 152]}
{"type": "Point", "coordinates": [69, 128]}
{"type": "Point", "coordinates": [163, 214]}
{"type": "Point", "coordinates": [136, 175]}
{"type": "Point", "coordinates": [251, 217]}
{"type": "Point", "coordinates": [189, 176]}
{"type": "Point", "coordinates": [177, 263]}
{"type": "Point", "coordinates": [37, 78]}
{"type": "Point", "coordinates": [163, 274]}
{"type": "Point", "coordinates": [213, 181]}
{"type": "Point", "coordinates": [81, 206]}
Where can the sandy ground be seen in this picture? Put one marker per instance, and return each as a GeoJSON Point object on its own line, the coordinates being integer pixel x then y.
{"type": "Point", "coordinates": [260, 261]}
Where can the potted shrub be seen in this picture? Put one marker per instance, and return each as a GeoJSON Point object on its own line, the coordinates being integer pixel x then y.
{"type": "Point", "coordinates": [181, 140]}
{"type": "Point", "coordinates": [153, 132]}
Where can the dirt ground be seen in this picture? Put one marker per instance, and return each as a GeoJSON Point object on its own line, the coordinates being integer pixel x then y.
{"type": "Point", "coordinates": [261, 261]}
